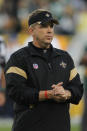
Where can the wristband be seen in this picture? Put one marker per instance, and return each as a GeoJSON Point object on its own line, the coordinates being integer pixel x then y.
{"type": "Point", "coordinates": [46, 96]}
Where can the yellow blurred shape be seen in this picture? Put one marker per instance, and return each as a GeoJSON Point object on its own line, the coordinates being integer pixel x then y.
{"type": "Point", "coordinates": [77, 110]}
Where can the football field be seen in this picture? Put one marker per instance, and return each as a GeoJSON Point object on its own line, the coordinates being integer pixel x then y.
{"type": "Point", "coordinates": [6, 124]}
{"type": "Point", "coordinates": [74, 128]}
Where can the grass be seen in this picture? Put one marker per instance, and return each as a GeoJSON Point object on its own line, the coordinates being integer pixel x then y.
{"type": "Point", "coordinates": [74, 128]}
{"type": "Point", "coordinates": [5, 129]}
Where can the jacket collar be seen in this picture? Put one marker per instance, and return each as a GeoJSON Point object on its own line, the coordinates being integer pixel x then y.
{"type": "Point", "coordinates": [35, 52]}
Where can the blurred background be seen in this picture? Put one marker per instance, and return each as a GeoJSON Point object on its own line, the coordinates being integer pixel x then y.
{"type": "Point", "coordinates": [70, 35]}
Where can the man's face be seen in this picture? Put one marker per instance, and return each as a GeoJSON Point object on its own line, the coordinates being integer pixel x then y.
{"type": "Point", "coordinates": [43, 34]}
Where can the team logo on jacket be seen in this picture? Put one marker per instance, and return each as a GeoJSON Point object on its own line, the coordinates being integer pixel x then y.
{"type": "Point", "coordinates": [35, 66]}
{"type": "Point", "coordinates": [63, 64]}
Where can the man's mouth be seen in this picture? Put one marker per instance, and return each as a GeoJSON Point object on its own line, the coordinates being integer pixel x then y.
{"type": "Point", "coordinates": [50, 37]}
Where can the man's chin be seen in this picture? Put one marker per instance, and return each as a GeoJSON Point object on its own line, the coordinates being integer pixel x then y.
{"type": "Point", "coordinates": [47, 44]}
{"type": "Point", "coordinates": [48, 41]}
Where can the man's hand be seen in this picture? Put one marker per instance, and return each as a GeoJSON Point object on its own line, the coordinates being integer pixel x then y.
{"type": "Point", "coordinates": [60, 94]}
{"type": "Point", "coordinates": [58, 89]}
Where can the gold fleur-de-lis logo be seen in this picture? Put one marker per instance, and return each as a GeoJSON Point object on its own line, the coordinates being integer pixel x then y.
{"type": "Point", "coordinates": [63, 64]}
{"type": "Point", "coordinates": [47, 15]}
{"type": "Point", "coordinates": [39, 22]}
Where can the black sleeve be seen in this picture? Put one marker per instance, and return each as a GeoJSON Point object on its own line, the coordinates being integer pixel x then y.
{"type": "Point", "coordinates": [74, 84]}
{"type": "Point", "coordinates": [16, 82]}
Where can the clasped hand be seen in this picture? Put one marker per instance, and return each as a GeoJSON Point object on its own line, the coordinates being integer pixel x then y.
{"type": "Point", "coordinates": [59, 93]}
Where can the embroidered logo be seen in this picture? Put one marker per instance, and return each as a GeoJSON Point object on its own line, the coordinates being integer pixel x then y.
{"type": "Point", "coordinates": [39, 22]}
{"type": "Point", "coordinates": [63, 64]}
{"type": "Point", "coordinates": [47, 15]}
{"type": "Point", "coordinates": [35, 66]}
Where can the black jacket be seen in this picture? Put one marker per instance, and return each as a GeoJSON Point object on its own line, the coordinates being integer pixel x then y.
{"type": "Point", "coordinates": [30, 70]}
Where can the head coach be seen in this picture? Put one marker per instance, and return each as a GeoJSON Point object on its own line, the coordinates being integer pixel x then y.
{"type": "Point", "coordinates": [42, 80]}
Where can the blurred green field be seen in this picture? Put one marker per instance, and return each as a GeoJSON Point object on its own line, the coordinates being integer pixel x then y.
{"type": "Point", "coordinates": [74, 128]}
{"type": "Point", "coordinates": [5, 129]}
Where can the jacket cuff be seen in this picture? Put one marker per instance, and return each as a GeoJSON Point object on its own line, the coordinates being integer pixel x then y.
{"type": "Point", "coordinates": [31, 96]}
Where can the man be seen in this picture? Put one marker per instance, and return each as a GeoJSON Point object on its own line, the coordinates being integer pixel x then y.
{"type": "Point", "coordinates": [42, 80]}
{"type": "Point", "coordinates": [2, 78]}
{"type": "Point", "coordinates": [2, 83]}
{"type": "Point", "coordinates": [84, 63]}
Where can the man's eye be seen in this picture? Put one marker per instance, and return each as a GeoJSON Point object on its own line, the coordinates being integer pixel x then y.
{"type": "Point", "coordinates": [46, 25]}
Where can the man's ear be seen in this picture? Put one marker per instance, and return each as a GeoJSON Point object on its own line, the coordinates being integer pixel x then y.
{"type": "Point", "coordinates": [30, 29]}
